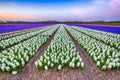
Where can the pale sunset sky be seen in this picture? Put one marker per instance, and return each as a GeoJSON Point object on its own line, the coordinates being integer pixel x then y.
{"type": "Point", "coordinates": [60, 10]}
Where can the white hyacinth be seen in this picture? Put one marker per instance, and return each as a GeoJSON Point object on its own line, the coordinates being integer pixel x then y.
{"type": "Point", "coordinates": [109, 66]}
{"type": "Point", "coordinates": [82, 65]}
{"type": "Point", "coordinates": [14, 72]}
{"type": "Point", "coordinates": [46, 67]}
{"type": "Point", "coordinates": [98, 63]}
{"type": "Point", "coordinates": [104, 67]}
{"type": "Point", "coordinates": [59, 67]}
{"type": "Point", "coordinates": [72, 64]}
{"type": "Point", "coordinates": [52, 65]}
{"type": "Point", "coordinates": [48, 62]}
{"type": "Point", "coordinates": [40, 63]}
{"type": "Point", "coordinates": [78, 64]}
{"type": "Point", "coordinates": [36, 63]}
{"type": "Point", "coordinates": [8, 68]}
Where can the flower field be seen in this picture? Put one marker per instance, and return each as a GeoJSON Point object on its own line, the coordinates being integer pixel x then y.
{"type": "Point", "coordinates": [16, 39]}
{"type": "Point", "coordinates": [105, 56]}
{"type": "Point", "coordinates": [111, 29]}
{"type": "Point", "coordinates": [15, 27]}
{"type": "Point", "coordinates": [61, 51]}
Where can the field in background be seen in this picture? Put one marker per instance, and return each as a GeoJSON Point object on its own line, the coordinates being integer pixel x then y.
{"type": "Point", "coordinates": [109, 24]}
{"type": "Point", "coordinates": [106, 28]}
{"type": "Point", "coordinates": [15, 27]}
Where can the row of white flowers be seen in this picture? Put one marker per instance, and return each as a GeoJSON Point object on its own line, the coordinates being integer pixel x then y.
{"type": "Point", "coordinates": [60, 53]}
{"type": "Point", "coordinates": [109, 38]}
{"type": "Point", "coordinates": [15, 33]}
{"type": "Point", "coordinates": [15, 58]}
{"type": "Point", "coordinates": [19, 38]}
{"type": "Point", "coordinates": [105, 56]}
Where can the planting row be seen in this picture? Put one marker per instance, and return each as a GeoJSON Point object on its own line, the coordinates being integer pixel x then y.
{"type": "Point", "coordinates": [105, 56]}
{"type": "Point", "coordinates": [15, 58]}
{"type": "Point", "coordinates": [108, 38]}
{"type": "Point", "coordinates": [16, 33]}
{"type": "Point", "coordinates": [60, 53]}
{"type": "Point", "coordinates": [16, 39]}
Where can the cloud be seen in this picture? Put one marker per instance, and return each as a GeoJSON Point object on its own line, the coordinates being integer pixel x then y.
{"type": "Point", "coordinates": [115, 3]}
{"type": "Point", "coordinates": [99, 1]}
{"type": "Point", "coordinates": [18, 17]}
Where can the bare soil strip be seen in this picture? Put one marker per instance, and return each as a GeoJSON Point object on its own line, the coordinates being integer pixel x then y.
{"type": "Point", "coordinates": [30, 69]}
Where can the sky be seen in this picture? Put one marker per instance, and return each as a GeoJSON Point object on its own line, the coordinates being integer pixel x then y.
{"type": "Point", "coordinates": [59, 10]}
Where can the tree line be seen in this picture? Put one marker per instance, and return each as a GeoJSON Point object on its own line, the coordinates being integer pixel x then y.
{"type": "Point", "coordinates": [58, 22]}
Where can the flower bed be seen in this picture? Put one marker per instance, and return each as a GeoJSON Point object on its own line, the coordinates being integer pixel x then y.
{"type": "Point", "coordinates": [105, 56]}
{"type": "Point", "coordinates": [16, 39]}
{"type": "Point", "coordinates": [15, 58]}
{"type": "Point", "coordinates": [108, 38]}
{"type": "Point", "coordinates": [60, 53]}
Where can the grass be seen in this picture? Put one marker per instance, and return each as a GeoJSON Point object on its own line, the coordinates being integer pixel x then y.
{"type": "Point", "coordinates": [110, 24]}
{"type": "Point", "coordinates": [114, 24]}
